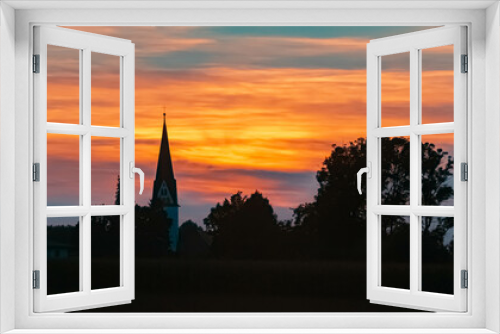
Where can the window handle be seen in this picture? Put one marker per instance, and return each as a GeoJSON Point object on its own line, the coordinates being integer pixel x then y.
{"type": "Point", "coordinates": [141, 175]}
{"type": "Point", "coordinates": [368, 171]}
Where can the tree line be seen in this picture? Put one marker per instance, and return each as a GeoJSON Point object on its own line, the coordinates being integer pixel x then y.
{"type": "Point", "coordinates": [331, 226]}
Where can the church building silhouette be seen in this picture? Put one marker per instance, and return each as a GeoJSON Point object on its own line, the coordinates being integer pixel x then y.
{"type": "Point", "coordinates": [165, 187]}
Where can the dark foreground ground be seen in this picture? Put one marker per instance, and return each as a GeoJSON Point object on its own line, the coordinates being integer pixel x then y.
{"type": "Point", "coordinates": [179, 285]}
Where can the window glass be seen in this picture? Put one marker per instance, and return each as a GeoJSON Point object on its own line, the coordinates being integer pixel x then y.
{"type": "Point", "coordinates": [105, 262]}
{"type": "Point", "coordinates": [395, 236]}
{"type": "Point", "coordinates": [105, 90]}
{"type": "Point", "coordinates": [63, 170]}
{"type": "Point", "coordinates": [63, 250]}
{"type": "Point", "coordinates": [63, 85]}
{"type": "Point", "coordinates": [437, 84]}
{"type": "Point", "coordinates": [437, 254]}
{"type": "Point", "coordinates": [437, 170]}
{"type": "Point", "coordinates": [106, 171]}
{"type": "Point", "coordinates": [395, 171]}
{"type": "Point", "coordinates": [395, 85]}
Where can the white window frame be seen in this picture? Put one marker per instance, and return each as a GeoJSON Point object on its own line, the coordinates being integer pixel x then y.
{"type": "Point", "coordinates": [124, 51]}
{"type": "Point", "coordinates": [482, 19]}
{"type": "Point", "coordinates": [413, 44]}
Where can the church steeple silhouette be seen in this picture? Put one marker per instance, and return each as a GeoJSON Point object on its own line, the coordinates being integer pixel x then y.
{"type": "Point", "coordinates": [165, 186]}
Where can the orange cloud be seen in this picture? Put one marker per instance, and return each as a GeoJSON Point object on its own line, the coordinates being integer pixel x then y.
{"type": "Point", "coordinates": [236, 129]}
{"type": "Point", "coordinates": [151, 41]}
{"type": "Point", "coordinates": [247, 118]}
{"type": "Point", "coordinates": [273, 119]}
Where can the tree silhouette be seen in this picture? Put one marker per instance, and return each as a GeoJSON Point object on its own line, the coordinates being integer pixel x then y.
{"type": "Point", "coordinates": [117, 192]}
{"type": "Point", "coordinates": [437, 187]}
{"type": "Point", "coordinates": [193, 241]}
{"type": "Point", "coordinates": [437, 180]}
{"type": "Point", "coordinates": [152, 227]}
{"type": "Point", "coordinates": [395, 170]}
{"type": "Point", "coordinates": [333, 225]}
{"type": "Point", "coordinates": [222, 213]}
{"type": "Point", "coordinates": [244, 228]}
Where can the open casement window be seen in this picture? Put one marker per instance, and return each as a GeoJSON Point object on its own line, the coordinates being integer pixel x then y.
{"type": "Point", "coordinates": [416, 155]}
{"type": "Point", "coordinates": [83, 148]}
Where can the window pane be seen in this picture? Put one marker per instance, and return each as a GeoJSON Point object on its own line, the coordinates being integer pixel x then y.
{"type": "Point", "coordinates": [105, 171]}
{"type": "Point", "coordinates": [395, 95]}
{"type": "Point", "coordinates": [105, 90]}
{"type": "Point", "coordinates": [63, 249]}
{"type": "Point", "coordinates": [63, 169]}
{"type": "Point", "coordinates": [437, 254]}
{"type": "Point", "coordinates": [105, 250]}
{"type": "Point", "coordinates": [395, 236]}
{"type": "Point", "coordinates": [395, 171]}
{"type": "Point", "coordinates": [437, 84]}
{"type": "Point", "coordinates": [437, 169]}
{"type": "Point", "coordinates": [63, 85]}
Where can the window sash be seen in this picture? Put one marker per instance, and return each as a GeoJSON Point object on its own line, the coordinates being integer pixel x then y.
{"type": "Point", "coordinates": [414, 298]}
{"type": "Point", "coordinates": [86, 297]}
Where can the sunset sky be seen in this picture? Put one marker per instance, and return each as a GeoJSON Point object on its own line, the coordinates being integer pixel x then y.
{"type": "Point", "coordinates": [247, 108]}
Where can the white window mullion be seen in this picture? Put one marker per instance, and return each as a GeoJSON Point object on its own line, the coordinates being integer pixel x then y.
{"type": "Point", "coordinates": [372, 186]}
{"type": "Point", "coordinates": [108, 210]}
{"type": "Point", "coordinates": [415, 174]}
{"type": "Point", "coordinates": [392, 210]}
{"type": "Point", "coordinates": [103, 131]}
{"type": "Point", "coordinates": [421, 129]}
{"type": "Point", "coordinates": [80, 130]}
{"type": "Point", "coordinates": [421, 210]}
{"type": "Point", "coordinates": [127, 102]}
{"type": "Point", "coordinates": [434, 129]}
{"type": "Point", "coordinates": [123, 246]}
{"type": "Point", "coordinates": [434, 211]}
{"type": "Point", "coordinates": [66, 211]}
{"type": "Point", "coordinates": [85, 152]}
{"type": "Point", "coordinates": [378, 220]}
{"type": "Point", "coordinates": [392, 131]}
{"type": "Point", "coordinates": [85, 167]}
{"type": "Point", "coordinates": [81, 250]}
{"type": "Point", "coordinates": [53, 128]}
{"type": "Point", "coordinates": [67, 129]}
{"type": "Point", "coordinates": [85, 265]}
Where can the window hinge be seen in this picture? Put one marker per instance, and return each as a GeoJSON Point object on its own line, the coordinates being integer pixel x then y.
{"type": "Point", "coordinates": [36, 172]}
{"type": "Point", "coordinates": [464, 171]}
{"type": "Point", "coordinates": [36, 279]}
{"type": "Point", "coordinates": [464, 279]}
{"type": "Point", "coordinates": [465, 64]}
{"type": "Point", "coordinates": [36, 63]}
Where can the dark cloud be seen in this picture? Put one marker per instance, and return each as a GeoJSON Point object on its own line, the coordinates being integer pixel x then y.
{"type": "Point", "coordinates": [309, 32]}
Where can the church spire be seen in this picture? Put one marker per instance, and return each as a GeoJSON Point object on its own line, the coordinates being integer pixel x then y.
{"type": "Point", "coordinates": [165, 185]}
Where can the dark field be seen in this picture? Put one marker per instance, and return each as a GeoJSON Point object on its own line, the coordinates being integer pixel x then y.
{"type": "Point", "coordinates": [179, 285]}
